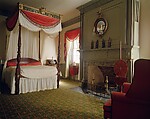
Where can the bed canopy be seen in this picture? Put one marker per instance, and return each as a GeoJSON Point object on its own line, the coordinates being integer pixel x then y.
{"type": "Point", "coordinates": [34, 20]}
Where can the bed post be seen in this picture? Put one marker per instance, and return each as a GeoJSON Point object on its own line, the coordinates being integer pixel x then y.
{"type": "Point", "coordinates": [58, 60]}
{"type": "Point", "coordinates": [17, 73]}
{"type": "Point", "coordinates": [39, 47]}
{"type": "Point", "coordinates": [58, 65]}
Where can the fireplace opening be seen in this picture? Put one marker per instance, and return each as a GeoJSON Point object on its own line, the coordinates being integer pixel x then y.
{"type": "Point", "coordinates": [108, 73]}
{"type": "Point", "coordinates": [100, 79]}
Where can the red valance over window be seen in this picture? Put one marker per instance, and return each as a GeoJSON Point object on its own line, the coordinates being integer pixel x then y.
{"type": "Point", "coordinates": [71, 36]}
{"type": "Point", "coordinates": [39, 19]}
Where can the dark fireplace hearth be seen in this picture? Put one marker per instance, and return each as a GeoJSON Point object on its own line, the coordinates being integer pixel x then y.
{"type": "Point", "coordinates": [100, 78]}
{"type": "Point", "coordinates": [108, 72]}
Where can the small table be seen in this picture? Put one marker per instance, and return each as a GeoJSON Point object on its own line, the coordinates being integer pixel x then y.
{"type": "Point", "coordinates": [73, 70]}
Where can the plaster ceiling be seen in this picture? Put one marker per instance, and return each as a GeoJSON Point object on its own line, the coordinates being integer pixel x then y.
{"type": "Point", "coordinates": [67, 8]}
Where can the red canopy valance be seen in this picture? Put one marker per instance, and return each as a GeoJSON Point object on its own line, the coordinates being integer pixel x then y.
{"type": "Point", "coordinates": [36, 19]}
{"type": "Point", "coordinates": [33, 18]}
{"type": "Point", "coordinates": [40, 20]}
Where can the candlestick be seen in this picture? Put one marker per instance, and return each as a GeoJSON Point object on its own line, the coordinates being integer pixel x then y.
{"type": "Point", "coordinates": [120, 50]}
{"type": "Point", "coordinates": [83, 71]}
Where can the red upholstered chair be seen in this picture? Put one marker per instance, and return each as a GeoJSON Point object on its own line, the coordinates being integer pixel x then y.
{"type": "Point", "coordinates": [134, 101]}
{"type": "Point", "coordinates": [120, 69]}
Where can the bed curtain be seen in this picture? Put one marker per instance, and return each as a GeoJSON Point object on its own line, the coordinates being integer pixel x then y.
{"type": "Point", "coordinates": [34, 20]}
{"type": "Point", "coordinates": [31, 25]}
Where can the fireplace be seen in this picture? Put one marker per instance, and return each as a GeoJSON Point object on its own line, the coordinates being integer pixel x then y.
{"type": "Point", "coordinates": [108, 73]}
{"type": "Point", "coordinates": [98, 73]}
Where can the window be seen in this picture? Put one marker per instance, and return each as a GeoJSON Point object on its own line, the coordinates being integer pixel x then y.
{"type": "Point", "coordinates": [76, 54]}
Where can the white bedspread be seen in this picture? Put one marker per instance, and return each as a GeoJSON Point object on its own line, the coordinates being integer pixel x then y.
{"type": "Point", "coordinates": [38, 71]}
{"type": "Point", "coordinates": [36, 78]}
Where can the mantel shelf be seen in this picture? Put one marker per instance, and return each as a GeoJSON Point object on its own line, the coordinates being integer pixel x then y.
{"type": "Point", "coordinates": [108, 49]}
{"type": "Point", "coordinates": [103, 49]}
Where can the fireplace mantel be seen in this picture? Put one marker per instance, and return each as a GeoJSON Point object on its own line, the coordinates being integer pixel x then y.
{"type": "Point", "coordinates": [125, 47]}
{"type": "Point", "coordinates": [123, 31]}
{"type": "Point", "coordinates": [104, 62]}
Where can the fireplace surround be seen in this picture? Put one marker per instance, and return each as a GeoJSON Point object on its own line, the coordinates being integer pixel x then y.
{"type": "Point", "coordinates": [96, 75]}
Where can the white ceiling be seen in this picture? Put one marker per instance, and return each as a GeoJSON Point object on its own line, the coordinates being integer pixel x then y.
{"type": "Point", "coordinates": [67, 8]}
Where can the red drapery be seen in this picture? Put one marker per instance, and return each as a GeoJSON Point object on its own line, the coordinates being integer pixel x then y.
{"type": "Point", "coordinates": [71, 36]}
{"type": "Point", "coordinates": [35, 18]}
{"type": "Point", "coordinates": [39, 19]}
{"type": "Point", "coordinates": [11, 22]}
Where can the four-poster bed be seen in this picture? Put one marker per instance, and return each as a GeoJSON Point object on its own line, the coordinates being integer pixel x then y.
{"type": "Point", "coordinates": [35, 20]}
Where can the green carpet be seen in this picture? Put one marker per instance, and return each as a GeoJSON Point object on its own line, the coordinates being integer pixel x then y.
{"type": "Point", "coordinates": [62, 103]}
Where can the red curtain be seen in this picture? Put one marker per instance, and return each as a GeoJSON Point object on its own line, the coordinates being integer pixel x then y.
{"type": "Point", "coordinates": [71, 36]}
{"type": "Point", "coordinates": [11, 22]}
{"type": "Point", "coordinates": [39, 19]}
{"type": "Point", "coordinates": [36, 19]}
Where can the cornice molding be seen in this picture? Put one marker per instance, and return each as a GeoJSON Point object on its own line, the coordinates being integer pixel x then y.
{"type": "Point", "coordinates": [71, 21]}
{"type": "Point", "coordinates": [92, 5]}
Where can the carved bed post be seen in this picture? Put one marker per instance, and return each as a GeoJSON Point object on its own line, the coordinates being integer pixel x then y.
{"type": "Point", "coordinates": [39, 47]}
{"type": "Point", "coordinates": [58, 65]}
{"type": "Point", "coordinates": [17, 73]}
{"type": "Point", "coordinates": [58, 60]}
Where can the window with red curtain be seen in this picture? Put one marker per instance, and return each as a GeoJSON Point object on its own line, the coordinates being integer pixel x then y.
{"type": "Point", "coordinates": [71, 53]}
{"type": "Point", "coordinates": [71, 36]}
